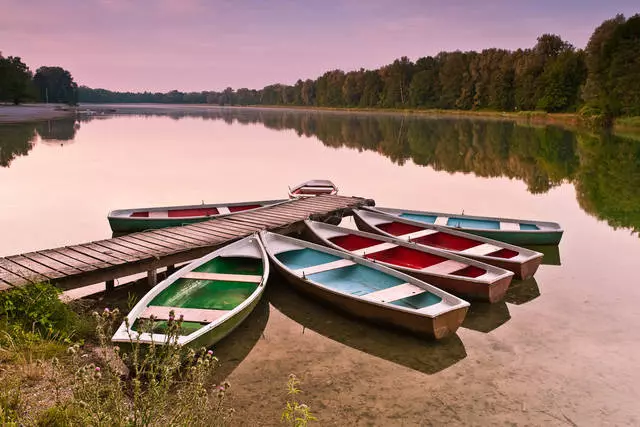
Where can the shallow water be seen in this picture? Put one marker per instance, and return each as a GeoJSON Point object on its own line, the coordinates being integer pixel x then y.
{"type": "Point", "coordinates": [563, 348]}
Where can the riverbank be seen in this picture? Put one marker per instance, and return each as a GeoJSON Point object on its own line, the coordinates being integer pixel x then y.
{"type": "Point", "coordinates": [569, 120]}
{"type": "Point", "coordinates": [33, 112]}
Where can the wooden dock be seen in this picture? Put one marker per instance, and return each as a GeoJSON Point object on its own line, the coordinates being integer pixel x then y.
{"type": "Point", "coordinates": [106, 260]}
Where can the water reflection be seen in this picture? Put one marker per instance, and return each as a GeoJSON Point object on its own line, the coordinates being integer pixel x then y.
{"type": "Point", "coordinates": [234, 348]}
{"type": "Point", "coordinates": [605, 169]}
{"type": "Point", "coordinates": [419, 354]}
{"type": "Point", "coordinates": [485, 317]}
{"type": "Point", "coordinates": [18, 139]}
{"type": "Point", "coordinates": [551, 253]}
{"type": "Point", "coordinates": [522, 291]}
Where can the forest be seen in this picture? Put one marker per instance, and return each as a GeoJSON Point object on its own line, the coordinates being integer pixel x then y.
{"type": "Point", "coordinates": [601, 81]}
{"type": "Point", "coordinates": [553, 76]}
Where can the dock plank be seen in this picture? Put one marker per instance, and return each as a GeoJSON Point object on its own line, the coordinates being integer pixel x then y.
{"type": "Point", "coordinates": [133, 241]}
{"type": "Point", "coordinates": [213, 231]}
{"type": "Point", "coordinates": [171, 234]}
{"type": "Point", "coordinates": [71, 262]}
{"type": "Point", "coordinates": [109, 259]}
{"type": "Point", "coordinates": [52, 263]}
{"type": "Point", "coordinates": [47, 272]}
{"type": "Point", "coordinates": [200, 238]}
{"type": "Point", "coordinates": [82, 257]}
{"type": "Point", "coordinates": [19, 270]}
{"type": "Point", "coordinates": [89, 251]}
{"type": "Point", "coordinates": [109, 244]}
{"type": "Point", "coordinates": [11, 278]}
{"type": "Point", "coordinates": [226, 228]}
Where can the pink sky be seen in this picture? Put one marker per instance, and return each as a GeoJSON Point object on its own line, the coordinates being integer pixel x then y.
{"type": "Point", "coordinates": [160, 45]}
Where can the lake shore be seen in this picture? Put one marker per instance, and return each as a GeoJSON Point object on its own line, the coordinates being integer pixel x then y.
{"type": "Point", "coordinates": [569, 120]}
{"type": "Point", "coordinates": [33, 112]}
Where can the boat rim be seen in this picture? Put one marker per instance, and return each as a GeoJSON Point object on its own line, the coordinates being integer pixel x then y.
{"type": "Point", "coordinates": [554, 227]}
{"type": "Point", "coordinates": [525, 254]}
{"type": "Point", "coordinates": [498, 273]}
{"type": "Point", "coordinates": [124, 334]}
{"type": "Point", "coordinates": [120, 213]}
{"type": "Point", "coordinates": [448, 303]}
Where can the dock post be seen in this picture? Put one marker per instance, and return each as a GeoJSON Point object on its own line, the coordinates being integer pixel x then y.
{"type": "Point", "coordinates": [171, 269]}
{"type": "Point", "coordinates": [152, 277]}
{"type": "Point", "coordinates": [109, 285]}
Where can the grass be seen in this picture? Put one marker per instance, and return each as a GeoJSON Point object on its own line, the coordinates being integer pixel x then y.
{"type": "Point", "coordinates": [56, 373]}
{"type": "Point", "coordinates": [573, 120]}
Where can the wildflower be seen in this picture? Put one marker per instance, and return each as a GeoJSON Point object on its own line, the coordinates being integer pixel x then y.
{"type": "Point", "coordinates": [106, 310]}
{"type": "Point", "coordinates": [210, 352]}
{"type": "Point", "coordinates": [97, 368]}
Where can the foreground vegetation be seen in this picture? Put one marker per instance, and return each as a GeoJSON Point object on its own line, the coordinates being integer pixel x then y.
{"type": "Point", "coordinates": [59, 368]}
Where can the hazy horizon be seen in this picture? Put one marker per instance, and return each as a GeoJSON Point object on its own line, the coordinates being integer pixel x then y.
{"type": "Point", "coordinates": [193, 45]}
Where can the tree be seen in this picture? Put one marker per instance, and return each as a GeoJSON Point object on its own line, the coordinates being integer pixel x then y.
{"type": "Point", "coordinates": [15, 80]}
{"type": "Point", "coordinates": [55, 84]}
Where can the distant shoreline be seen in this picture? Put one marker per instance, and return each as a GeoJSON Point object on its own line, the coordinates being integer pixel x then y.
{"type": "Point", "coordinates": [33, 112]}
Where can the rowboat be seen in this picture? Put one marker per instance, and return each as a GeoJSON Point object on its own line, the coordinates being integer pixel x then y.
{"type": "Point", "coordinates": [365, 289]}
{"type": "Point", "coordinates": [140, 219]}
{"type": "Point", "coordinates": [212, 295]}
{"type": "Point", "coordinates": [523, 262]}
{"type": "Point", "coordinates": [314, 187]}
{"type": "Point", "coordinates": [403, 349]}
{"type": "Point", "coordinates": [509, 230]}
{"type": "Point", "coordinates": [461, 276]}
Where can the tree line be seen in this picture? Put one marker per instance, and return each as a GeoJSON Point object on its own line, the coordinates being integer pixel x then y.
{"type": "Point", "coordinates": [553, 76]}
{"type": "Point", "coordinates": [602, 80]}
{"type": "Point", "coordinates": [49, 84]}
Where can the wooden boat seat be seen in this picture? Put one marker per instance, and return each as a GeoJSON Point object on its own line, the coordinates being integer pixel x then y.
{"type": "Point", "coordinates": [445, 267]}
{"type": "Point", "coordinates": [441, 220]}
{"type": "Point", "coordinates": [248, 278]}
{"type": "Point", "coordinates": [189, 314]}
{"type": "Point", "coordinates": [510, 226]}
{"type": "Point", "coordinates": [394, 293]}
{"type": "Point", "coordinates": [324, 267]}
{"type": "Point", "coordinates": [373, 249]}
{"type": "Point", "coordinates": [158, 214]}
{"type": "Point", "coordinates": [482, 249]}
{"type": "Point", "coordinates": [420, 233]}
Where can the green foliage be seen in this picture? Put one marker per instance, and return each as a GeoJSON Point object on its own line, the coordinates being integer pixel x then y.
{"type": "Point", "coordinates": [144, 385]}
{"type": "Point", "coordinates": [55, 84]}
{"type": "Point", "coordinates": [296, 414]}
{"type": "Point", "coordinates": [37, 308]}
{"type": "Point", "coordinates": [15, 80]}
{"type": "Point", "coordinates": [11, 406]}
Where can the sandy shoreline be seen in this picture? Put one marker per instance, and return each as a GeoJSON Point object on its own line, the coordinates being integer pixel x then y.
{"type": "Point", "coordinates": [33, 112]}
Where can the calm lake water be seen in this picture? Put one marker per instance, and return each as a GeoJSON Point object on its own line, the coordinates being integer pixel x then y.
{"type": "Point", "coordinates": [563, 349]}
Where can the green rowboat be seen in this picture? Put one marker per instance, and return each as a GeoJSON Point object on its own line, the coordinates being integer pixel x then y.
{"type": "Point", "coordinates": [508, 230]}
{"type": "Point", "coordinates": [141, 219]}
{"type": "Point", "coordinates": [212, 295]}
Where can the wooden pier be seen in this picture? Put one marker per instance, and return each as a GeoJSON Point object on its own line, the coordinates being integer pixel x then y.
{"type": "Point", "coordinates": [106, 260]}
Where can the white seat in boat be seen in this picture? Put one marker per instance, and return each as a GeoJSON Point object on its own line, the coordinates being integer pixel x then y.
{"type": "Point", "coordinates": [323, 267]}
{"type": "Point", "coordinates": [189, 314]}
{"type": "Point", "coordinates": [441, 220]}
{"type": "Point", "coordinates": [158, 214]}
{"type": "Point", "coordinates": [482, 249]}
{"type": "Point", "coordinates": [373, 249]}
{"type": "Point", "coordinates": [394, 293]}
{"type": "Point", "coordinates": [223, 210]}
{"type": "Point", "coordinates": [248, 278]}
{"type": "Point", "coordinates": [510, 226]}
{"type": "Point", "coordinates": [445, 267]}
{"type": "Point", "coordinates": [420, 233]}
